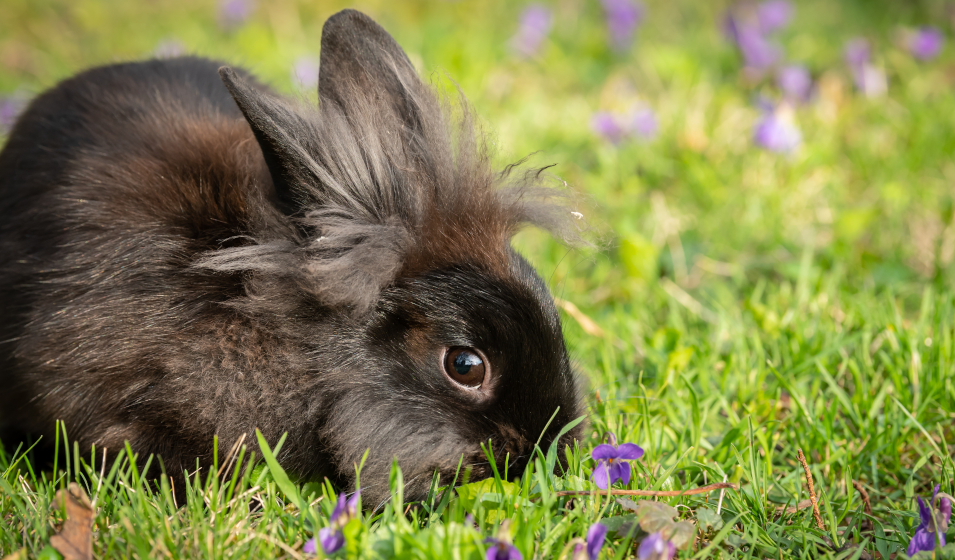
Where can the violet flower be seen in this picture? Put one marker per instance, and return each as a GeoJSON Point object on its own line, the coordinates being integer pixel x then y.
{"type": "Point", "coordinates": [758, 51]}
{"type": "Point", "coordinates": [595, 541]}
{"type": "Point", "coordinates": [773, 15]}
{"type": "Point", "coordinates": [925, 43]}
{"type": "Point", "coordinates": [623, 17]}
{"type": "Point", "coordinates": [332, 538]}
{"type": "Point", "coordinates": [777, 130]}
{"type": "Point", "coordinates": [640, 123]}
{"type": "Point", "coordinates": [233, 13]}
{"type": "Point", "coordinates": [656, 547]}
{"type": "Point", "coordinates": [605, 124]}
{"type": "Point", "coordinates": [612, 462]}
{"type": "Point", "coordinates": [932, 524]}
{"type": "Point", "coordinates": [533, 29]}
{"type": "Point", "coordinates": [500, 549]}
{"type": "Point", "coordinates": [857, 51]}
{"type": "Point", "coordinates": [305, 72]}
{"type": "Point", "coordinates": [795, 82]}
{"type": "Point", "coordinates": [869, 79]}
{"type": "Point", "coordinates": [643, 123]}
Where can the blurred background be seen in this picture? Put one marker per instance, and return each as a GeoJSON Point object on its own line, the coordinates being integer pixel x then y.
{"type": "Point", "coordinates": [720, 148]}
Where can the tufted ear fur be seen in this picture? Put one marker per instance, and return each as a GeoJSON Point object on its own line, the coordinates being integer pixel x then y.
{"type": "Point", "coordinates": [385, 178]}
{"type": "Point", "coordinates": [359, 57]}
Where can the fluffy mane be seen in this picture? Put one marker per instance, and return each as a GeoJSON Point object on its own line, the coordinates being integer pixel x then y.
{"type": "Point", "coordinates": [386, 178]}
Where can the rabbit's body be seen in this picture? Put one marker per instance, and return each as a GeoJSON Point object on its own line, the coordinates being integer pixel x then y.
{"type": "Point", "coordinates": [171, 273]}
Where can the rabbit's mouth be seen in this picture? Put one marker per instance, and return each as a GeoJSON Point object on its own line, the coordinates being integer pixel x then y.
{"type": "Point", "coordinates": [511, 452]}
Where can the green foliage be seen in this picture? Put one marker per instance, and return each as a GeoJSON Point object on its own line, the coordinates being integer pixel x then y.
{"type": "Point", "coordinates": [753, 304]}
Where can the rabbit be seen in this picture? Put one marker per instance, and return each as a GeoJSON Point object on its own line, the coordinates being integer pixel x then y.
{"type": "Point", "coordinates": [185, 255]}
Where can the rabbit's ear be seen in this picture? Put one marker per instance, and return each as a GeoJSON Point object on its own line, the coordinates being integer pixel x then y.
{"type": "Point", "coordinates": [276, 126]}
{"type": "Point", "coordinates": [362, 63]}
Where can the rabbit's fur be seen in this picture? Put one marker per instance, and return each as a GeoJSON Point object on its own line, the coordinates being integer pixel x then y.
{"type": "Point", "coordinates": [178, 263]}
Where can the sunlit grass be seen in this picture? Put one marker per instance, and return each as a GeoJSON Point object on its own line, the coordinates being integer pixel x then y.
{"type": "Point", "coordinates": [752, 304]}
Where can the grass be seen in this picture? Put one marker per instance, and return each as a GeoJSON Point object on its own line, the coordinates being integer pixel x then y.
{"type": "Point", "coordinates": [752, 304]}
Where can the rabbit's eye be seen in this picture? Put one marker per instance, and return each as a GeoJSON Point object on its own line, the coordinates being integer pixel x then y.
{"type": "Point", "coordinates": [465, 366]}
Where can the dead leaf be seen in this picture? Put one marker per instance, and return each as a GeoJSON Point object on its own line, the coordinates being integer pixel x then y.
{"type": "Point", "coordinates": [18, 555]}
{"type": "Point", "coordinates": [682, 533]}
{"type": "Point", "coordinates": [75, 539]}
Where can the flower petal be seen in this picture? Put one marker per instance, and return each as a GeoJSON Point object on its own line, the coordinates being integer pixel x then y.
{"type": "Point", "coordinates": [331, 539]}
{"type": "Point", "coordinates": [601, 476]}
{"type": "Point", "coordinates": [925, 515]}
{"type": "Point", "coordinates": [945, 512]}
{"type": "Point", "coordinates": [623, 472]}
{"type": "Point", "coordinates": [604, 451]}
{"type": "Point", "coordinates": [921, 541]}
{"type": "Point", "coordinates": [656, 547]}
{"type": "Point", "coordinates": [340, 505]}
{"type": "Point", "coordinates": [595, 539]}
{"type": "Point", "coordinates": [629, 451]}
{"type": "Point", "coordinates": [352, 504]}
{"type": "Point", "coordinates": [311, 547]}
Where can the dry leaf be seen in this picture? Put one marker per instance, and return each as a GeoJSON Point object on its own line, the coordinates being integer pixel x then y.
{"type": "Point", "coordinates": [681, 534]}
{"type": "Point", "coordinates": [75, 539]}
{"type": "Point", "coordinates": [18, 555]}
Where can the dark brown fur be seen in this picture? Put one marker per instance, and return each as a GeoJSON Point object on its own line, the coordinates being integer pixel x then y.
{"type": "Point", "coordinates": [178, 263]}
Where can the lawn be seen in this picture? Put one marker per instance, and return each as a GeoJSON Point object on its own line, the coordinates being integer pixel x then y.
{"type": "Point", "coordinates": [773, 271]}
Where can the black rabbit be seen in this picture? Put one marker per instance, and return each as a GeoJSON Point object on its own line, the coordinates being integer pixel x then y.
{"type": "Point", "coordinates": [181, 259]}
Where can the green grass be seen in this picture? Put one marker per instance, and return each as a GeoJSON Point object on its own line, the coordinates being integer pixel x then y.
{"type": "Point", "coordinates": [752, 304]}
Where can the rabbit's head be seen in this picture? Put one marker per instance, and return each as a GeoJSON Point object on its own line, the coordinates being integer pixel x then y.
{"type": "Point", "coordinates": [444, 337]}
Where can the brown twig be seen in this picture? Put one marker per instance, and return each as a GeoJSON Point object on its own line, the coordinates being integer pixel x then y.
{"type": "Point", "coordinates": [651, 493]}
{"type": "Point", "coordinates": [865, 496]}
{"type": "Point", "coordinates": [866, 523]}
{"type": "Point", "coordinates": [812, 491]}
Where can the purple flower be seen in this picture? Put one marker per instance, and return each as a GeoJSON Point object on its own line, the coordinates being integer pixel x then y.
{"type": "Point", "coordinates": [10, 108]}
{"type": "Point", "coordinates": [759, 53]}
{"type": "Point", "coordinates": [500, 549]}
{"type": "Point", "coordinates": [533, 29]}
{"type": "Point", "coordinates": [331, 538]}
{"type": "Point", "coordinates": [773, 15]}
{"type": "Point", "coordinates": [305, 72]}
{"type": "Point", "coordinates": [615, 127]}
{"type": "Point", "coordinates": [623, 17]}
{"type": "Point", "coordinates": [777, 130]}
{"type": "Point", "coordinates": [605, 124]}
{"type": "Point", "coordinates": [233, 13]}
{"type": "Point", "coordinates": [869, 79]}
{"type": "Point", "coordinates": [612, 462]}
{"type": "Point", "coordinates": [795, 82]}
{"type": "Point", "coordinates": [656, 547]}
{"type": "Point", "coordinates": [932, 524]}
{"type": "Point", "coordinates": [345, 509]}
{"type": "Point", "coordinates": [643, 123]}
{"type": "Point", "coordinates": [926, 43]}
{"type": "Point", "coordinates": [857, 51]}
{"type": "Point", "coordinates": [595, 539]}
